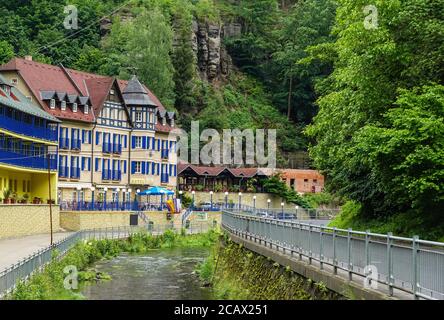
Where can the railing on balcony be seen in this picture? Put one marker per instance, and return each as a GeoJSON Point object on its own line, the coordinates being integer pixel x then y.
{"type": "Point", "coordinates": [75, 173]}
{"type": "Point", "coordinates": [76, 144]}
{"type": "Point", "coordinates": [164, 178]}
{"type": "Point", "coordinates": [117, 175]}
{"type": "Point", "coordinates": [107, 147]}
{"type": "Point", "coordinates": [165, 154]}
{"type": "Point", "coordinates": [28, 129]}
{"type": "Point", "coordinates": [63, 172]}
{"type": "Point", "coordinates": [106, 175]}
{"type": "Point", "coordinates": [64, 143]}
{"type": "Point", "coordinates": [111, 206]}
{"type": "Point", "coordinates": [117, 148]}
{"type": "Point", "coordinates": [34, 162]}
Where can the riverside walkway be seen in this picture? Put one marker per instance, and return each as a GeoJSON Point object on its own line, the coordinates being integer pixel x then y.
{"type": "Point", "coordinates": [399, 268]}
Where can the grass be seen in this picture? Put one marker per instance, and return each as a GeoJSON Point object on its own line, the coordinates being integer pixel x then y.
{"type": "Point", "coordinates": [49, 283]}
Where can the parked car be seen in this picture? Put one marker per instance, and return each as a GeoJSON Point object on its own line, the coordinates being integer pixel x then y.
{"type": "Point", "coordinates": [285, 216]}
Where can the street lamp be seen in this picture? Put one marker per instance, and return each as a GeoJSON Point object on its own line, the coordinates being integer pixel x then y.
{"type": "Point", "coordinates": [268, 203]}
{"type": "Point", "coordinates": [117, 198]}
{"type": "Point", "coordinates": [137, 198]}
{"type": "Point", "coordinates": [226, 199]}
{"type": "Point", "coordinates": [240, 200]}
{"type": "Point", "coordinates": [296, 208]}
{"type": "Point", "coordinates": [282, 207]}
{"type": "Point", "coordinates": [180, 195]}
{"type": "Point", "coordinates": [211, 200]}
{"type": "Point", "coordinates": [92, 197]}
{"type": "Point", "coordinates": [254, 204]}
{"type": "Point", "coordinates": [129, 198]}
{"type": "Point", "coordinates": [79, 207]}
{"type": "Point", "coordinates": [104, 197]}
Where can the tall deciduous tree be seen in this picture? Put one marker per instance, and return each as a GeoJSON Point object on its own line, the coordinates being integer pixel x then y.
{"type": "Point", "coordinates": [367, 127]}
{"type": "Point", "coordinates": [143, 46]}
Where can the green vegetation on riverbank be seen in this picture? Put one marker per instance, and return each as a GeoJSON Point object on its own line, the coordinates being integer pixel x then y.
{"type": "Point", "coordinates": [403, 224]}
{"type": "Point", "coordinates": [239, 274]}
{"type": "Point", "coordinates": [49, 284]}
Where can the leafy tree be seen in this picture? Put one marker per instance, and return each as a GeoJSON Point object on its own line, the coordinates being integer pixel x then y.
{"type": "Point", "coordinates": [371, 69]}
{"type": "Point", "coordinates": [275, 185]}
{"type": "Point", "coordinates": [6, 51]}
{"type": "Point", "coordinates": [143, 46]}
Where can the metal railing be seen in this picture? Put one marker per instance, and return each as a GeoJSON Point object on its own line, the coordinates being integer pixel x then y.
{"type": "Point", "coordinates": [407, 264]}
{"type": "Point", "coordinates": [25, 268]}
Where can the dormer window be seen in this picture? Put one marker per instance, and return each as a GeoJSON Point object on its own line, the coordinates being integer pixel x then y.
{"type": "Point", "coordinates": [86, 109]}
{"type": "Point", "coordinates": [111, 92]}
{"type": "Point", "coordinates": [63, 105]}
{"type": "Point", "coordinates": [14, 81]}
{"type": "Point", "coordinates": [74, 107]}
{"type": "Point", "coordinates": [52, 103]}
{"type": "Point", "coordinates": [164, 121]}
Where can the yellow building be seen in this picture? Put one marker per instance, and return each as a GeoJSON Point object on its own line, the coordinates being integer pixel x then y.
{"type": "Point", "coordinates": [28, 147]}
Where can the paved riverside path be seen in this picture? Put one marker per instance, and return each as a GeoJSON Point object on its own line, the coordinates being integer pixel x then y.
{"type": "Point", "coordinates": [15, 249]}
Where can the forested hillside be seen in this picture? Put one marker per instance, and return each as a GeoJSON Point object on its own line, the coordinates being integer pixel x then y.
{"type": "Point", "coordinates": [361, 88]}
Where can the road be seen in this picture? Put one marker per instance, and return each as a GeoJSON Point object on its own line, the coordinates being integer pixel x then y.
{"type": "Point", "coordinates": [15, 249]}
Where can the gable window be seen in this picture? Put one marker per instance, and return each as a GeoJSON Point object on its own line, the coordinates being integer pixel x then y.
{"type": "Point", "coordinates": [139, 142]}
{"type": "Point", "coordinates": [63, 105]}
{"type": "Point", "coordinates": [86, 109]}
{"type": "Point", "coordinates": [139, 116]}
{"type": "Point", "coordinates": [74, 107]}
{"type": "Point", "coordinates": [52, 104]}
{"type": "Point", "coordinates": [14, 81]}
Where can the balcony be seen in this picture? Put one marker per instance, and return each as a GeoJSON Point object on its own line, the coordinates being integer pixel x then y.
{"type": "Point", "coordinates": [64, 172]}
{"type": "Point", "coordinates": [75, 173]}
{"type": "Point", "coordinates": [165, 154]}
{"type": "Point", "coordinates": [64, 143]}
{"type": "Point", "coordinates": [76, 144]}
{"type": "Point", "coordinates": [107, 147]}
{"type": "Point", "coordinates": [164, 178]}
{"type": "Point", "coordinates": [117, 175]}
{"type": "Point", "coordinates": [117, 148]}
{"type": "Point", "coordinates": [106, 175]}
{"type": "Point", "coordinates": [28, 129]}
{"type": "Point", "coordinates": [26, 161]}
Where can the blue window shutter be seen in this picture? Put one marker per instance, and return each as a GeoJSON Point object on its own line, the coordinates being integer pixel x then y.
{"type": "Point", "coordinates": [124, 166]}
{"type": "Point", "coordinates": [97, 137]}
{"type": "Point", "coordinates": [125, 141]}
{"type": "Point", "coordinates": [90, 136]}
{"type": "Point", "coordinates": [83, 136]}
{"type": "Point", "coordinates": [133, 142]}
{"type": "Point", "coordinates": [153, 147]}
{"type": "Point", "coordinates": [83, 163]}
{"type": "Point", "coordinates": [158, 169]}
{"type": "Point", "coordinates": [158, 144]}
{"type": "Point", "coordinates": [133, 167]}
{"type": "Point", "coordinates": [175, 170]}
{"type": "Point", "coordinates": [143, 143]}
{"type": "Point", "coordinates": [143, 167]}
{"type": "Point", "coordinates": [97, 165]}
{"type": "Point", "coordinates": [153, 166]}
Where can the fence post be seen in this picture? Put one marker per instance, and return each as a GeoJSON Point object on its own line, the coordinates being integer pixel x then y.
{"type": "Point", "coordinates": [309, 243]}
{"type": "Point", "coordinates": [335, 267]}
{"type": "Point", "coordinates": [299, 242]}
{"type": "Point", "coordinates": [367, 248]}
{"type": "Point", "coordinates": [321, 249]}
{"type": "Point", "coordinates": [415, 267]}
{"type": "Point", "coordinates": [349, 264]}
{"type": "Point", "coordinates": [389, 263]}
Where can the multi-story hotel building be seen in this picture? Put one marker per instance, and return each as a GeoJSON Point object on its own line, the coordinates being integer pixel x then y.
{"type": "Point", "coordinates": [114, 134]}
{"type": "Point", "coordinates": [27, 133]}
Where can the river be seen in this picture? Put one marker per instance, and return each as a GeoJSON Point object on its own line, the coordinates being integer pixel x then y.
{"type": "Point", "coordinates": [159, 275]}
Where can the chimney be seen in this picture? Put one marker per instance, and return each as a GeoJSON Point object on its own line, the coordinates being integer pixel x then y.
{"type": "Point", "coordinates": [29, 58]}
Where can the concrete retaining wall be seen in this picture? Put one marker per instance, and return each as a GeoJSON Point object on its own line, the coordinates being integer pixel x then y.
{"type": "Point", "coordinates": [27, 219]}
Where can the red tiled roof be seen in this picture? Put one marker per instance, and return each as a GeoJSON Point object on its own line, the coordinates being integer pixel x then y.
{"type": "Point", "coordinates": [43, 77]}
{"type": "Point", "coordinates": [215, 171]}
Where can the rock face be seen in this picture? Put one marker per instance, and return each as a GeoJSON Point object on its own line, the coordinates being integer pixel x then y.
{"type": "Point", "coordinates": [213, 61]}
